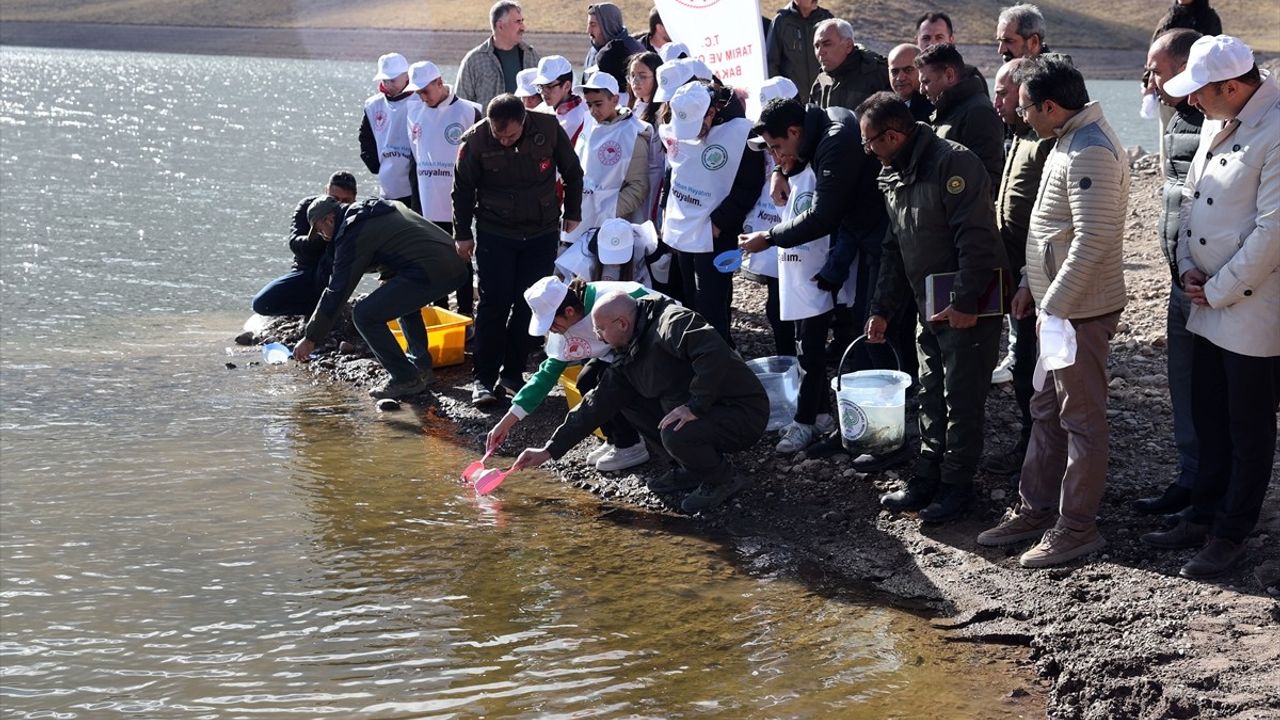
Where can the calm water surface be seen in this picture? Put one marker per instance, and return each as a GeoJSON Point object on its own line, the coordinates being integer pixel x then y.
{"type": "Point", "coordinates": [182, 540]}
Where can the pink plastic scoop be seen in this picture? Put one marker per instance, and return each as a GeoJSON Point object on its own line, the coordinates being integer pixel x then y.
{"type": "Point", "coordinates": [470, 472]}
{"type": "Point", "coordinates": [488, 480]}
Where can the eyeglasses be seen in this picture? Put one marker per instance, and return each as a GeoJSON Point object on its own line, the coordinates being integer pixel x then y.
{"type": "Point", "coordinates": [1021, 110]}
{"type": "Point", "coordinates": [867, 142]}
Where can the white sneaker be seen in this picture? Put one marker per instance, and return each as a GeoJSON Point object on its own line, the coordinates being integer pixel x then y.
{"type": "Point", "coordinates": [601, 450]}
{"type": "Point", "coordinates": [825, 425]}
{"type": "Point", "coordinates": [795, 437]}
{"type": "Point", "coordinates": [1004, 371]}
{"type": "Point", "coordinates": [623, 458]}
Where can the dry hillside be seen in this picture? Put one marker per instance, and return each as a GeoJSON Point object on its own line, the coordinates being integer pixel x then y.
{"type": "Point", "coordinates": [1078, 23]}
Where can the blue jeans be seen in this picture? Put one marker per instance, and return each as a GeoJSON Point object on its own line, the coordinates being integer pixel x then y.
{"type": "Point", "coordinates": [1180, 349]}
{"type": "Point", "coordinates": [295, 293]}
{"type": "Point", "coordinates": [403, 299]}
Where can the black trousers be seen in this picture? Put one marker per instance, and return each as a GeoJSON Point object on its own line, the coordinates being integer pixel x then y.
{"type": "Point", "coordinates": [955, 374]}
{"type": "Point", "coordinates": [1233, 406]}
{"type": "Point", "coordinates": [784, 331]}
{"type": "Point", "coordinates": [465, 295]}
{"type": "Point", "coordinates": [617, 431]}
{"type": "Point", "coordinates": [699, 447]}
{"type": "Point", "coordinates": [815, 396]}
{"type": "Point", "coordinates": [1024, 366]}
{"type": "Point", "coordinates": [707, 291]}
{"type": "Point", "coordinates": [507, 268]}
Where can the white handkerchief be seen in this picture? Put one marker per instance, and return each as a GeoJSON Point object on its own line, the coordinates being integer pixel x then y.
{"type": "Point", "coordinates": [1057, 347]}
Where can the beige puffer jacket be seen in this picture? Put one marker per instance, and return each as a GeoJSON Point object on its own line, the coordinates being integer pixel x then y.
{"type": "Point", "coordinates": [1075, 242]}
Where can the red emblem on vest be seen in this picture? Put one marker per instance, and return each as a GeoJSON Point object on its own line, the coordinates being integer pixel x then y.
{"type": "Point", "coordinates": [415, 132]}
{"type": "Point", "coordinates": [380, 119]}
{"type": "Point", "coordinates": [609, 154]}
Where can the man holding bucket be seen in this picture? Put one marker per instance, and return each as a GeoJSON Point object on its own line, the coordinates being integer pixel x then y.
{"type": "Point", "coordinates": [941, 222]}
{"type": "Point", "coordinates": [826, 218]}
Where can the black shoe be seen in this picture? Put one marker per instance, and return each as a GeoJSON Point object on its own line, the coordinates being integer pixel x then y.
{"type": "Point", "coordinates": [828, 446]}
{"type": "Point", "coordinates": [1174, 499]}
{"type": "Point", "coordinates": [1218, 556]}
{"type": "Point", "coordinates": [876, 463]}
{"type": "Point", "coordinates": [915, 496]}
{"type": "Point", "coordinates": [952, 500]}
{"type": "Point", "coordinates": [1185, 534]}
{"type": "Point", "coordinates": [509, 386]}
{"type": "Point", "coordinates": [709, 496]}
{"type": "Point", "coordinates": [675, 480]}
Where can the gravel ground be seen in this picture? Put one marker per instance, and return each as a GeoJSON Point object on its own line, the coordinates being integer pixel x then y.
{"type": "Point", "coordinates": [1117, 635]}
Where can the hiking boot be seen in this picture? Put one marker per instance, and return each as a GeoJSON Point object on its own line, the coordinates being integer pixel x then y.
{"type": "Point", "coordinates": [1022, 525]}
{"type": "Point", "coordinates": [426, 374]}
{"type": "Point", "coordinates": [951, 500]}
{"type": "Point", "coordinates": [675, 480]}
{"type": "Point", "coordinates": [622, 458]}
{"type": "Point", "coordinates": [710, 495]}
{"type": "Point", "coordinates": [1060, 545]}
{"type": "Point", "coordinates": [483, 397]}
{"type": "Point", "coordinates": [1174, 499]}
{"type": "Point", "coordinates": [915, 496]}
{"type": "Point", "coordinates": [398, 388]}
{"type": "Point", "coordinates": [795, 437]}
{"type": "Point", "coordinates": [1185, 534]}
{"type": "Point", "coordinates": [601, 450]}
{"type": "Point", "coordinates": [1218, 556]}
{"type": "Point", "coordinates": [876, 463]}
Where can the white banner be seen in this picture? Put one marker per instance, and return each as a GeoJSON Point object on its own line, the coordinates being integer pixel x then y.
{"type": "Point", "coordinates": [725, 34]}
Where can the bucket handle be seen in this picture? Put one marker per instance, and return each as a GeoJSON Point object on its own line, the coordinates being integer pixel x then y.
{"type": "Point", "coordinates": [840, 368]}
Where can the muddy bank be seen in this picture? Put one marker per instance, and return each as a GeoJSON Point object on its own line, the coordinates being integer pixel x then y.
{"type": "Point", "coordinates": [1116, 635]}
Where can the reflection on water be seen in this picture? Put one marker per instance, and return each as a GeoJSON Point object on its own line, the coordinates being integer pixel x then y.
{"type": "Point", "coordinates": [182, 540]}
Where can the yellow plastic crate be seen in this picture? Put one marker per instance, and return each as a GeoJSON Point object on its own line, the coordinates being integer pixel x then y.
{"type": "Point", "coordinates": [446, 335]}
{"type": "Point", "coordinates": [569, 381]}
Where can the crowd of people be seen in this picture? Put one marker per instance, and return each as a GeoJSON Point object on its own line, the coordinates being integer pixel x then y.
{"type": "Point", "coordinates": [608, 212]}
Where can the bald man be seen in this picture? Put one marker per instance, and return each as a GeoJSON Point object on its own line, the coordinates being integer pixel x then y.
{"type": "Point", "coordinates": [678, 382]}
{"type": "Point", "coordinates": [904, 78]}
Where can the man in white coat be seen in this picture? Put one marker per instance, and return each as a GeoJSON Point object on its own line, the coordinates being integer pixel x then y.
{"type": "Point", "coordinates": [384, 134]}
{"type": "Point", "coordinates": [435, 127]}
{"type": "Point", "coordinates": [1229, 260]}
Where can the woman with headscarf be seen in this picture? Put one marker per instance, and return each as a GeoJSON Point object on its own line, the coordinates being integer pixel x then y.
{"type": "Point", "coordinates": [611, 44]}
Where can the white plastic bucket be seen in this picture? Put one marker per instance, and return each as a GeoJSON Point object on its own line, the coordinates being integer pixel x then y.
{"type": "Point", "coordinates": [780, 375]}
{"type": "Point", "coordinates": [872, 408]}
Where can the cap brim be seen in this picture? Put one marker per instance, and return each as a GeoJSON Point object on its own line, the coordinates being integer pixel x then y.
{"type": "Point", "coordinates": [1182, 84]}
{"type": "Point", "coordinates": [757, 143]}
{"type": "Point", "coordinates": [616, 257]}
{"type": "Point", "coordinates": [687, 130]}
{"type": "Point", "coordinates": [538, 327]}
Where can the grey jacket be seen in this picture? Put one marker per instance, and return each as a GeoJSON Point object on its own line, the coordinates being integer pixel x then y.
{"type": "Point", "coordinates": [480, 74]}
{"type": "Point", "coordinates": [1181, 138]}
{"type": "Point", "coordinates": [789, 47]}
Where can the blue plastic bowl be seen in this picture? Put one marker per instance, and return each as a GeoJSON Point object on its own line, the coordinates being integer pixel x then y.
{"type": "Point", "coordinates": [728, 261]}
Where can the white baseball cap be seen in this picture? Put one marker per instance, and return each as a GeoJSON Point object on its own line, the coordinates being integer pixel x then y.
{"type": "Point", "coordinates": [688, 108]}
{"type": "Point", "coordinates": [551, 68]}
{"type": "Point", "coordinates": [524, 83]}
{"type": "Point", "coordinates": [390, 66]}
{"type": "Point", "coordinates": [1212, 59]}
{"type": "Point", "coordinates": [671, 76]}
{"type": "Point", "coordinates": [422, 74]}
{"type": "Point", "coordinates": [597, 80]}
{"type": "Point", "coordinates": [673, 51]}
{"type": "Point", "coordinates": [777, 87]}
{"type": "Point", "coordinates": [701, 70]}
{"type": "Point", "coordinates": [614, 242]}
{"type": "Point", "coordinates": [544, 298]}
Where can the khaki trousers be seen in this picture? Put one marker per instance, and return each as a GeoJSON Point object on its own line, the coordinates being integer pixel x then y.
{"type": "Point", "coordinates": [1066, 464]}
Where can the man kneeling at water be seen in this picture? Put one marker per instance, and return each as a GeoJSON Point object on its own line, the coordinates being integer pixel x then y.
{"type": "Point", "coordinates": [679, 383]}
{"type": "Point", "coordinates": [419, 265]}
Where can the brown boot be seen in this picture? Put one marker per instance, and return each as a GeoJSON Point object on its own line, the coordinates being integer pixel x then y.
{"type": "Point", "coordinates": [1218, 556]}
{"type": "Point", "coordinates": [1185, 534]}
{"type": "Point", "coordinates": [1023, 525]}
{"type": "Point", "coordinates": [1061, 545]}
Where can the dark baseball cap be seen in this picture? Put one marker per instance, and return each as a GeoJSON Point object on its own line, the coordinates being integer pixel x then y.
{"type": "Point", "coordinates": [319, 209]}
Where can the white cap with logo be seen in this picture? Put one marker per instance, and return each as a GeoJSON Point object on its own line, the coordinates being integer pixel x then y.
{"type": "Point", "coordinates": [391, 66]}
{"type": "Point", "coordinates": [597, 80]}
{"type": "Point", "coordinates": [614, 242]}
{"type": "Point", "coordinates": [544, 298]}
{"type": "Point", "coordinates": [422, 74]}
{"type": "Point", "coordinates": [1212, 59]}
{"type": "Point", "coordinates": [551, 68]}
{"type": "Point", "coordinates": [673, 51]}
{"type": "Point", "coordinates": [688, 107]}
{"type": "Point", "coordinates": [524, 83]}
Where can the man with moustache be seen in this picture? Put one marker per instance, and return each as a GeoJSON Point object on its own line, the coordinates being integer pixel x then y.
{"type": "Point", "coordinates": [904, 79]}
{"type": "Point", "coordinates": [1020, 32]}
{"type": "Point", "coordinates": [962, 112]}
{"type": "Point", "coordinates": [934, 29]}
{"type": "Point", "coordinates": [489, 69]}
{"type": "Point", "coordinates": [850, 74]}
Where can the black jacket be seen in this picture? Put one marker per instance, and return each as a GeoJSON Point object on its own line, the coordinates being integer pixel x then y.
{"type": "Point", "coordinates": [964, 114]}
{"type": "Point", "coordinates": [920, 107]}
{"type": "Point", "coordinates": [789, 47]}
{"type": "Point", "coordinates": [676, 358]}
{"type": "Point", "coordinates": [846, 194]}
{"type": "Point", "coordinates": [612, 58]}
{"type": "Point", "coordinates": [511, 191]}
{"type": "Point", "coordinates": [306, 253]}
{"type": "Point", "coordinates": [387, 236]}
{"type": "Point", "coordinates": [1181, 138]}
{"type": "Point", "coordinates": [861, 75]}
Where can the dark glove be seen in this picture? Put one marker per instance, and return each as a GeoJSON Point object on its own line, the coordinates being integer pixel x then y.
{"type": "Point", "coordinates": [825, 285]}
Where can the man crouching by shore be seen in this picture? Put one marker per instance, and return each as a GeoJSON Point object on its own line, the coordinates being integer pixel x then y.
{"type": "Point", "coordinates": [419, 266]}
{"type": "Point", "coordinates": [680, 384]}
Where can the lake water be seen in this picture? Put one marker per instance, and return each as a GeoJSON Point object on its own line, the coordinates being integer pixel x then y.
{"type": "Point", "coordinates": [182, 540]}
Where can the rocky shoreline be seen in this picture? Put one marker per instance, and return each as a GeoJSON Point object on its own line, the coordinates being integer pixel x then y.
{"type": "Point", "coordinates": [1118, 635]}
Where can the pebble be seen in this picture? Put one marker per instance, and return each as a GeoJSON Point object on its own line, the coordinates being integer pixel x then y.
{"type": "Point", "coordinates": [346, 348]}
{"type": "Point", "coordinates": [231, 366]}
{"type": "Point", "coordinates": [998, 494]}
{"type": "Point", "coordinates": [388, 404]}
{"type": "Point", "coordinates": [245, 338]}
